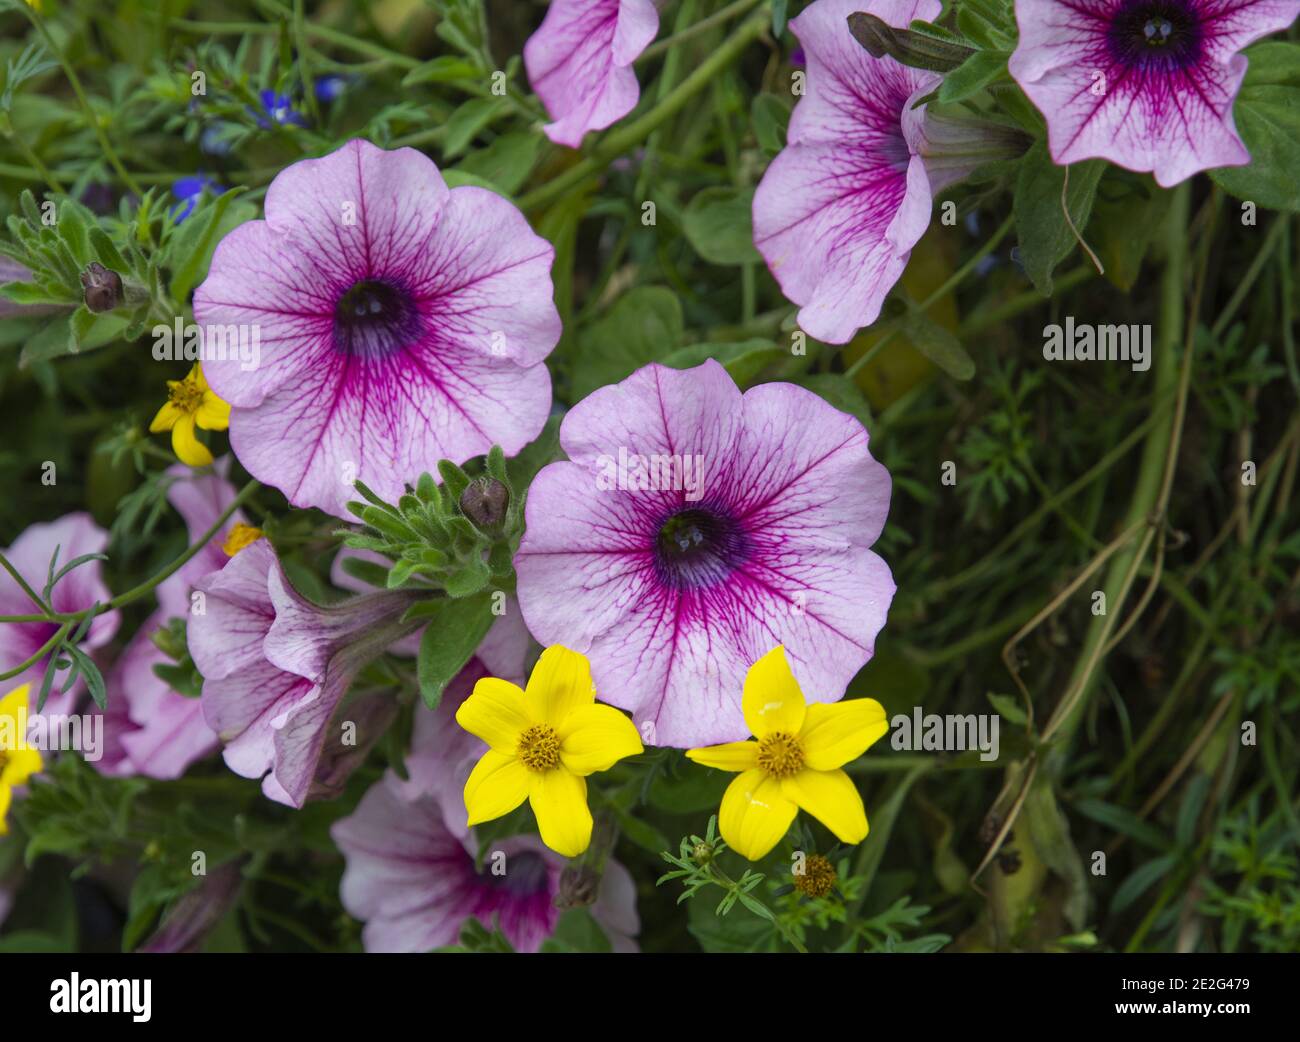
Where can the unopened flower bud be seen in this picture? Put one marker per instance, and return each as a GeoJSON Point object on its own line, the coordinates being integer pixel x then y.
{"type": "Point", "coordinates": [484, 502]}
{"type": "Point", "coordinates": [578, 887]}
{"type": "Point", "coordinates": [103, 288]}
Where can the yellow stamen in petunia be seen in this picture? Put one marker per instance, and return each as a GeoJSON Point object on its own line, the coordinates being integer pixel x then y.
{"type": "Point", "coordinates": [191, 403]}
{"type": "Point", "coordinates": [539, 748]}
{"type": "Point", "coordinates": [543, 742]}
{"type": "Point", "coordinates": [240, 536]}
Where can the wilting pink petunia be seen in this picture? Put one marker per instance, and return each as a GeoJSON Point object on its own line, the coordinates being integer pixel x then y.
{"type": "Point", "coordinates": [579, 63]}
{"type": "Point", "coordinates": [73, 535]}
{"type": "Point", "coordinates": [1146, 84]}
{"type": "Point", "coordinates": [411, 872]}
{"type": "Point", "coordinates": [840, 208]}
{"type": "Point", "coordinates": [149, 729]}
{"type": "Point", "coordinates": [398, 323]}
{"type": "Point", "coordinates": [276, 668]}
{"type": "Point", "coordinates": [748, 525]}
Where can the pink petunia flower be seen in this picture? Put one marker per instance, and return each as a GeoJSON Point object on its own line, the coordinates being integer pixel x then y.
{"type": "Point", "coordinates": [579, 63]}
{"type": "Point", "coordinates": [276, 668]}
{"type": "Point", "coordinates": [149, 729]}
{"type": "Point", "coordinates": [1146, 84]}
{"type": "Point", "coordinates": [73, 535]}
{"type": "Point", "coordinates": [411, 873]}
{"type": "Point", "coordinates": [840, 208]}
{"type": "Point", "coordinates": [397, 323]}
{"type": "Point", "coordinates": [695, 528]}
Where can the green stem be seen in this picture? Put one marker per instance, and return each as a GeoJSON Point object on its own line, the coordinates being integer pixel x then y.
{"type": "Point", "coordinates": [1151, 475]}
{"type": "Point", "coordinates": [703, 25]}
{"type": "Point", "coordinates": [136, 592]}
{"type": "Point", "coordinates": [82, 100]}
{"type": "Point", "coordinates": [618, 141]}
{"type": "Point", "coordinates": [46, 648]}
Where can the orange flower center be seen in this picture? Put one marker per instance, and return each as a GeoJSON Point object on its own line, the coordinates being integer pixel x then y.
{"type": "Point", "coordinates": [780, 754]}
{"type": "Point", "coordinates": [539, 748]}
{"type": "Point", "coordinates": [185, 394]}
{"type": "Point", "coordinates": [817, 878]}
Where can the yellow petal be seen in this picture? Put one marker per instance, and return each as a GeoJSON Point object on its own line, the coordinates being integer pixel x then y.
{"type": "Point", "coordinates": [497, 712]}
{"type": "Point", "coordinates": [195, 376]}
{"type": "Point", "coordinates": [5, 797]}
{"type": "Point", "coordinates": [188, 448]}
{"type": "Point", "coordinates": [835, 733]}
{"type": "Point", "coordinates": [496, 786]}
{"type": "Point", "coordinates": [731, 756]}
{"type": "Point", "coordinates": [755, 814]}
{"type": "Point", "coordinates": [561, 683]}
{"type": "Point", "coordinates": [772, 699]}
{"type": "Point", "coordinates": [831, 798]}
{"type": "Point", "coordinates": [166, 418]}
{"type": "Point", "coordinates": [213, 414]}
{"type": "Point", "coordinates": [595, 737]}
{"type": "Point", "coordinates": [20, 764]}
{"type": "Point", "coordinates": [559, 800]}
{"type": "Point", "coordinates": [15, 700]}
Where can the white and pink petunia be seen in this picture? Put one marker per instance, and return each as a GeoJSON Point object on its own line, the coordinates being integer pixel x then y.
{"type": "Point", "coordinates": [579, 63]}
{"type": "Point", "coordinates": [398, 323]}
{"type": "Point", "coordinates": [673, 586]}
{"type": "Point", "coordinates": [1146, 84]}
{"type": "Point", "coordinates": [276, 668]}
{"type": "Point", "coordinates": [840, 208]}
{"type": "Point", "coordinates": [149, 729]}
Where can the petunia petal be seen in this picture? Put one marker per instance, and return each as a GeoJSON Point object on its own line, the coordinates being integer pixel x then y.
{"type": "Point", "coordinates": [831, 798]}
{"type": "Point", "coordinates": [730, 756]}
{"type": "Point", "coordinates": [755, 814]}
{"type": "Point", "coordinates": [559, 801]}
{"type": "Point", "coordinates": [835, 733]}
{"type": "Point", "coordinates": [496, 786]}
{"type": "Point", "coordinates": [498, 712]}
{"type": "Point", "coordinates": [772, 700]}
{"type": "Point", "coordinates": [595, 737]}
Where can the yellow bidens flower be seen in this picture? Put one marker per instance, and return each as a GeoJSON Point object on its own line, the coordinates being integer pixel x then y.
{"type": "Point", "coordinates": [543, 742]}
{"type": "Point", "coordinates": [18, 760]}
{"type": "Point", "coordinates": [240, 536]}
{"type": "Point", "coordinates": [189, 402]}
{"type": "Point", "coordinates": [795, 762]}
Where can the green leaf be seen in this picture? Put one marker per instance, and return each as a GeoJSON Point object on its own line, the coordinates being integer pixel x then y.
{"type": "Point", "coordinates": [449, 641]}
{"type": "Point", "coordinates": [973, 75]}
{"type": "Point", "coordinates": [190, 248]}
{"type": "Point", "coordinates": [1122, 820]}
{"type": "Point", "coordinates": [1129, 210]}
{"type": "Point", "coordinates": [770, 116]}
{"type": "Point", "coordinates": [719, 224]}
{"type": "Point", "coordinates": [507, 162]}
{"type": "Point", "coordinates": [645, 325]}
{"type": "Point", "coordinates": [1268, 119]}
{"type": "Point", "coordinates": [746, 360]}
{"type": "Point", "coordinates": [1008, 708]}
{"type": "Point", "coordinates": [444, 69]}
{"type": "Point", "coordinates": [1045, 237]}
{"type": "Point", "coordinates": [467, 121]}
{"type": "Point", "coordinates": [938, 345]}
